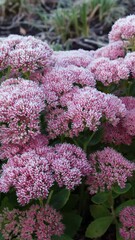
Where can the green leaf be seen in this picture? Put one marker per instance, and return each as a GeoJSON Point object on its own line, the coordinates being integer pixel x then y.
{"type": "Point", "coordinates": [118, 237]}
{"type": "Point", "coordinates": [97, 137]}
{"type": "Point", "coordinates": [98, 227]}
{"type": "Point", "coordinates": [123, 205]}
{"type": "Point", "coordinates": [1, 237]}
{"type": "Point", "coordinates": [119, 190]}
{"type": "Point", "coordinates": [98, 211]}
{"type": "Point", "coordinates": [72, 223]}
{"type": "Point", "coordinates": [59, 199]}
{"type": "Point", "coordinates": [72, 202]}
{"type": "Point", "coordinates": [6, 204]}
{"type": "Point", "coordinates": [100, 198]}
{"type": "Point", "coordinates": [63, 237]}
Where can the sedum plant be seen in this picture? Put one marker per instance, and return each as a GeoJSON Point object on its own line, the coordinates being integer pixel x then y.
{"type": "Point", "coordinates": [67, 138]}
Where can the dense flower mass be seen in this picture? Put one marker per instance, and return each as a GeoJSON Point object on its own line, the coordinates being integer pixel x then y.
{"type": "Point", "coordinates": [79, 58]}
{"type": "Point", "coordinates": [125, 129]}
{"type": "Point", "coordinates": [10, 150]}
{"type": "Point", "coordinates": [41, 222]}
{"type": "Point", "coordinates": [33, 171]}
{"type": "Point", "coordinates": [112, 51]}
{"type": "Point", "coordinates": [123, 29]}
{"type": "Point", "coordinates": [21, 102]}
{"type": "Point", "coordinates": [49, 100]}
{"type": "Point", "coordinates": [108, 168]}
{"type": "Point", "coordinates": [29, 173]}
{"type": "Point", "coordinates": [127, 219]}
{"type": "Point", "coordinates": [116, 134]}
{"type": "Point", "coordinates": [24, 53]}
{"type": "Point", "coordinates": [83, 108]}
{"type": "Point", "coordinates": [109, 71]}
{"type": "Point", "coordinates": [69, 165]}
{"type": "Point", "coordinates": [58, 81]}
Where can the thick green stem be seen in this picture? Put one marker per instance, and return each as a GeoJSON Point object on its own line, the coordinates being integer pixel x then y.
{"type": "Point", "coordinates": [88, 141]}
{"type": "Point", "coordinates": [41, 202]}
{"type": "Point", "coordinates": [111, 200]}
{"type": "Point", "coordinates": [49, 197]}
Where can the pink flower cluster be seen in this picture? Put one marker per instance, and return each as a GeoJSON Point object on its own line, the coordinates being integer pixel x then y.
{"type": "Point", "coordinates": [123, 29]}
{"type": "Point", "coordinates": [83, 108]}
{"type": "Point", "coordinates": [41, 222]}
{"type": "Point", "coordinates": [21, 102]}
{"type": "Point", "coordinates": [109, 71]}
{"type": "Point", "coordinates": [33, 171]}
{"type": "Point", "coordinates": [108, 168]}
{"type": "Point", "coordinates": [125, 130]}
{"type": "Point", "coordinates": [58, 81]}
{"type": "Point", "coordinates": [127, 219]}
{"type": "Point", "coordinates": [79, 58]}
{"type": "Point", "coordinates": [112, 51]}
{"type": "Point", "coordinates": [24, 53]}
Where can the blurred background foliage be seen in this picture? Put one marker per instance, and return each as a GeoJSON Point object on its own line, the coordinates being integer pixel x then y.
{"type": "Point", "coordinates": [65, 24]}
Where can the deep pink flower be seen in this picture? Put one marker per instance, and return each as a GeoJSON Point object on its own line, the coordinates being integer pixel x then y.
{"type": "Point", "coordinates": [108, 168]}
{"type": "Point", "coordinates": [43, 222]}
{"type": "Point", "coordinates": [127, 219]}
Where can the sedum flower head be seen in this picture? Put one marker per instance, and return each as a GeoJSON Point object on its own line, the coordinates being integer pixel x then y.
{"type": "Point", "coordinates": [123, 29]}
{"type": "Point", "coordinates": [39, 222]}
{"type": "Point", "coordinates": [108, 168]}
{"type": "Point", "coordinates": [127, 219]}
{"type": "Point", "coordinates": [21, 102]}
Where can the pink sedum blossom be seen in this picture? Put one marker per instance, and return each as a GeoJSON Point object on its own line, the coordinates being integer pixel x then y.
{"type": "Point", "coordinates": [109, 71]}
{"type": "Point", "coordinates": [84, 108]}
{"type": "Point", "coordinates": [129, 102]}
{"type": "Point", "coordinates": [59, 81]}
{"type": "Point", "coordinates": [27, 53]}
{"type": "Point", "coordinates": [129, 119]}
{"type": "Point", "coordinates": [21, 102]}
{"type": "Point", "coordinates": [79, 58]}
{"type": "Point", "coordinates": [29, 173]}
{"type": "Point", "coordinates": [112, 51]}
{"type": "Point", "coordinates": [123, 29]}
{"type": "Point", "coordinates": [116, 134]}
{"type": "Point", "coordinates": [10, 150]}
{"type": "Point", "coordinates": [33, 172]}
{"type": "Point", "coordinates": [108, 168]}
{"type": "Point", "coordinates": [41, 222]}
{"type": "Point", "coordinates": [127, 219]}
{"type": "Point", "coordinates": [69, 164]}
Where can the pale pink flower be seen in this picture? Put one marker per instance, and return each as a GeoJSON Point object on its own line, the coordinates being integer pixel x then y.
{"type": "Point", "coordinates": [27, 53]}
{"type": "Point", "coordinates": [109, 71]}
{"type": "Point", "coordinates": [112, 50]}
{"type": "Point", "coordinates": [79, 58]}
{"type": "Point", "coordinates": [84, 108]}
{"type": "Point", "coordinates": [123, 29]}
{"type": "Point", "coordinates": [59, 81]}
{"type": "Point", "coordinates": [21, 102]}
{"type": "Point", "coordinates": [33, 171]}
